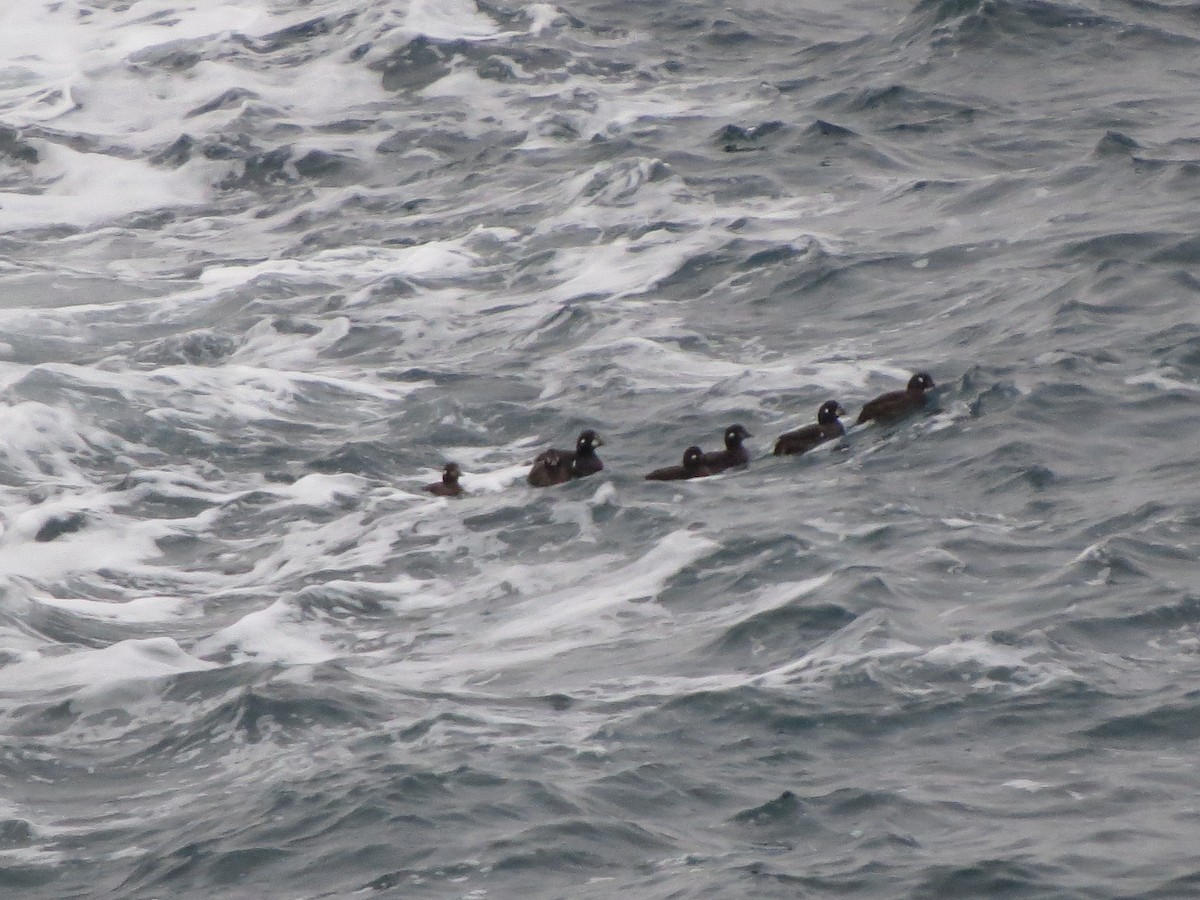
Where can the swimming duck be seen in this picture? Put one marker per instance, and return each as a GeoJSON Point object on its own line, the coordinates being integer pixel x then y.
{"type": "Point", "coordinates": [804, 439]}
{"type": "Point", "coordinates": [734, 453]}
{"type": "Point", "coordinates": [448, 486]}
{"type": "Point", "coordinates": [555, 466]}
{"type": "Point", "coordinates": [897, 404]}
{"type": "Point", "coordinates": [693, 466]}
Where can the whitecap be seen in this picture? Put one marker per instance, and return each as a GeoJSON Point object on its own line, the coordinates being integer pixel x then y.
{"type": "Point", "coordinates": [566, 608]}
{"type": "Point", "coordinates": [867, 638]}
{"type": "Point", "coordinates": [130, 660]}
{"type": "Point", "coordinates": [1026, 784]}
{"type": "Point", "coordinates": [1165, 379]}
{"type": "Point", "coordinates": [140, 610]}
{"type": "Point", "coordinates": [770, 598]}
{"type": "Point", "coordinates": [364, 264]}
{"type": "Point", "coordinates": [275, 633]}
{"type": "Point", "coordinates": [317, 489]}
{"type": "Point", "coordinates": [448, 20]}
{"type": "Point", "coordinates": [90, 188]}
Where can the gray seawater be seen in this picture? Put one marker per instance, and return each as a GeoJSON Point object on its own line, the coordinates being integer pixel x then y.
{"type": "Point", "coordinates": [266, 266]}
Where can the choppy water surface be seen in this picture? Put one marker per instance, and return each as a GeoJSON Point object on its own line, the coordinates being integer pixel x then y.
{"type": "Point", "coordinates": [266, 266]}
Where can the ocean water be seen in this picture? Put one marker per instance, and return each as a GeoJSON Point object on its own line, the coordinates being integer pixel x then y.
{"type": "Point", "coordinates": [266, 266]}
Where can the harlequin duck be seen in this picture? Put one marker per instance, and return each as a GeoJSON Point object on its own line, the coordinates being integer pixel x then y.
{"type": "Point", "coordinates": [897, 404]}
{"type": "Point", "coordinates": [693, 466]}
{"type": "Point", "coordinates": [557, 466]}
{"type": "Point", "coordinates": [734, 453]}
{"type": "Point", "coordinates": [802, 439]}
{"type": "Point", "coordinates": [448, 486]}
{"type": "Point", "coordinates": [549, 468]}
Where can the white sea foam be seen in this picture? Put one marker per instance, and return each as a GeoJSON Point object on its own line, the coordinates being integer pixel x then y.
{"type": "Point", "coordinates": [320, 490]}
{"type": "Point", "coordinates": [265, 346]}
{"type": "Point", "coordinates": [136, 611]}
{"type": "Point", "coordinates": [1026, 784]}
{"type": "Point", "coordinates": [88, 188]}
{"type": "Point", "coordinates": [541, 16]}
{"type": "Point", "coordinates": [773, 597]}
{"type": "Point", "coordinates": [844, 530]}
{"type": "Point", "coordinates": [409, 594]}
{"type": "Point", "coordinates": [568, 608]}
{"type": "Point", "coordinates": [107, 544]}
{"type": "Point", "coordinates": [1033, 669]}
{"type": "Point", "coordinates": [84, 74]}
{"type": "Point", "coordinates": [866, 639]}
{"type": "Point", "coordinates": [129, 660]}
{"type": "Point", "coordinates": [1166, 379]}
{"type": "Point", "coordinates": [24, 524]}
{"type": "Point", "coordinates": [42, 441]}
{"type": "Point", "coordinates": [365, 264]}
{"type": "Point", "coordinates": [448, 20]}
{"type": "Point", "coordinates": [346, 542]}
{"type": "Point", "coordinates": [275, 632]}
{"type": "Point", "coordinates": [624, 266]}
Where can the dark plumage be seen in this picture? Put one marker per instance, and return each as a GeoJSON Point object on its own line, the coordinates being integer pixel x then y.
{"type": "Point", "coordinates": [586, 461]}
{"type": "Point", "coordinates": [803, 439]}
{"type": "Point", "coordinates": [734, 453]}
{"type": "Point", "coordinates": [693, 466]}
{"type": "Point", "coordinates": [448, 486]}
{"type": "Point", "coordinates": [557, 466]}
{"type": "Point", "coordinates": [897, 404]}
{"type": "Point", "coordinates": [549, 467]}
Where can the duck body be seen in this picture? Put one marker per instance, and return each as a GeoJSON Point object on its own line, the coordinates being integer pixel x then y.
{"type": "Point", "coordinates": [550, 467]}
{"type": "Point", "coordinates": [693, 466]}
{"type": "Point", "coordinates": [898, 404]}
{"type": "Point", "coordinates": [586, 462]}
{"type": "Point", "coordinates": [804, 439]}
{"type": "Point", "coordinates": [556, 466]}
{"type": "Point", "coordinates": [448, 486]}
{"type": "Point", "coordinates": [734, 454]}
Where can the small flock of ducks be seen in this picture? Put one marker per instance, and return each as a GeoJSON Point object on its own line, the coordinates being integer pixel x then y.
{"type": "Point", "coordinates": [556, 466]}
